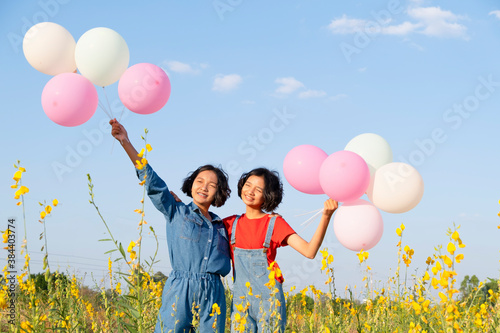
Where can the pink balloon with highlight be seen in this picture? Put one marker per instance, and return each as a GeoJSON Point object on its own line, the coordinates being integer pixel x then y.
{"type": "Point", "coordinates": [301, 168]}
{"type": "Point", "coordinates": [344, 176]}
{"type": "Point", "coordinates": [144, 88]}
{"type": "Point", "coordinates": [69, 99]}
{"type": "Point", "coordinates": [358, 225]}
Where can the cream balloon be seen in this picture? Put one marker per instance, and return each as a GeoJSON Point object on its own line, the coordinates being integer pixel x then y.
{"type": "Point", "coordinates": [50, 48]}
{"type": "Point", "coordinates": [373, 148]}
{"type": "Point", "coordinates": [396, 188]}
{"type": "Point", "coordinates": [102, 56]}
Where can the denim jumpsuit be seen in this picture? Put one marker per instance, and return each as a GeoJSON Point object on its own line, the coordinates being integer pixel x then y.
{"type": "Point", "coordinates": [199, 255]}
{"type": "Point", "coordinates": [250, 265]}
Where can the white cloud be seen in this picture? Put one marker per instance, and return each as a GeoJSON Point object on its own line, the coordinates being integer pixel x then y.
{"type": "Point", "coordinates": [430, 21]}
{"type": "Point", "coordinates": [402, 29]}
{"type": "Point", "coordinates": [345, 25]}
{"type": "Point", "coordinates": [312, 94]}
{"type": "Point", "coordinates": [288, 85]}
{"type": "Point", "coordinates": [438, 23]}
{"type": "Point", "coordinates": [180, 67]}
{"type": "Point", "coordinates": [224, 83]}
{"type": "Point", "coordinates": [496, 13]}
{"type": "Point", "coordinates": [362, 69]}
{"type": "Point", "coordinates": [338, 97]}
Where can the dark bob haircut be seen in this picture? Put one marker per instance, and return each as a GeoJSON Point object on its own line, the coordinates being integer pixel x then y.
{"type": "Point", "coordinates": [273, 191]}
{"type": "Point", "coordinates": [223, 190]}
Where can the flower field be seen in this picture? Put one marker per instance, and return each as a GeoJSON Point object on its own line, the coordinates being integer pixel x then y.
{"type": "Point", "coordinates": [53, 301]}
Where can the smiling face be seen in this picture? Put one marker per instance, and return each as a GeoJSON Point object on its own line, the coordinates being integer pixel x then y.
{"type": "Point", "coordinates": [252, 192]}
{"type": "Point", "coordinates": [204, 189]}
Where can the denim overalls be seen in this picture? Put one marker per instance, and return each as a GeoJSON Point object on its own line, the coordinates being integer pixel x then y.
{"type": "Point", "coordinates": [250, 265]}
{"type": "Point", "coordinates": [199, 255]}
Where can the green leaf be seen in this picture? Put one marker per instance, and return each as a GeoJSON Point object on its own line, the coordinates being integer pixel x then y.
{"type": "Point", "coordinates": [105, 240]}
{"type": "Point", "coordinates": [122, 251]}
{"type": "Point", "coordinates": [110, 251]}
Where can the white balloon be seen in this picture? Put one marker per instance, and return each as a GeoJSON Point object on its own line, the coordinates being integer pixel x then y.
{"type": "Point", "coordinates": [373, 148]}
{"type": "Point", "coordinates": [50, 48]}
{"type": "Point", "coordinates": [102, 56]}
{"type": "Point", "coordinates": [396, 188]}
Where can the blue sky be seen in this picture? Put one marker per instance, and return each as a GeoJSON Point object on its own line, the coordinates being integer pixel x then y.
{"type": "Point", "coordinates": [422, 74]}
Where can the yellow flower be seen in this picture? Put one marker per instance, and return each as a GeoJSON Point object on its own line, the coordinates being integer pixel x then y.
{"type": "Point", "coordinates": [26, 326]}
{"type": "Point", "coordinates": [21, 191]}
{"type": "Point", "coordinates": [447, 260]}
{"type": "Point", "coordinates": [426, 276]}
{"type": "Point", "coordinates": [443, 297]}
{"type": "Point", "coordinates": [459, 258]}
{"type": "Point", "coordinates": [141, 164]}
{"type": "Point", "coordinates": [131, 246]}
{"type": "Point", "coordinates": [141, 154]}
{"type": "Point", "coordinates": [402, 226]}
{"type": "Point", "coordinates": [451, 248]}
{"type": "Point", "coordinates": [43, 214]}
{"type": "Point", "coordinates": [362, 256]}
{"type": "Point", "coordinates": [399, 232]}
{"type": "Point", "coordinates": [118, 288]}
{"type": "Point", "coordinates": [17, 176]}
{"type": "Point", "coordinates": [55, 202]}
{"type": "Point", "coordinates": [455, 236]}
{"type": "Point", "coordinates": [148, 147]}
{"type": "Point", "coordinates": [215, 309]}
{"type": "Point", "coordinates": [48, 209]}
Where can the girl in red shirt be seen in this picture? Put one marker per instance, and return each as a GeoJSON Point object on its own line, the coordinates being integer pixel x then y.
{"type": "Point", "coordinates": [255, 237]}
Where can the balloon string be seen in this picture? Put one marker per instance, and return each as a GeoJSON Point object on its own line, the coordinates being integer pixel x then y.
{"type": "Point", "coordinates": [309, 212]}
{"type": "Point", "coordinates": [310, 220]}
{"type": "Point", "coordinates": [107, 100]}
{"type": "Point", "coordinates": [312, 217]}
{"type": "Point", "coordinates": [119, 120]}
{"type": "Point", "coordinates": [121, 114]}
{"type": "Point", "coordinates": [104, 109]}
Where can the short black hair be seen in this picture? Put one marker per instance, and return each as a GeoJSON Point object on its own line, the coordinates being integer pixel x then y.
{"type": "Point", "coordinates": [273, 188]}
{"type": "Point", "coordinates": [223, 191]}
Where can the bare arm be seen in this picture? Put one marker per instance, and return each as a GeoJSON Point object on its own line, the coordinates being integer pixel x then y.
{"type": "Point", "coordinates": [309, 249]}
{"type": "Point", "coordinates": [120, 134]}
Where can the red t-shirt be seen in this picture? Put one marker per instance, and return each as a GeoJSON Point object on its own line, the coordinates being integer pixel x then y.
{"type": "Point", "coordinates": [251, 234]}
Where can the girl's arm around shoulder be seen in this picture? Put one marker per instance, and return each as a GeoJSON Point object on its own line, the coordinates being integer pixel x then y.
{"type": "Point", "coordinates": [309, 249]}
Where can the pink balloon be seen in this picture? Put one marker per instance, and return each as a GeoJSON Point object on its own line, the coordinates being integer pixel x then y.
{"type": "Point", "coordinates": [301, 168]}
{"type": "Point", "coordinates": [69, 99]}
{"type": "Point", "coordinates": [144, 88]}
{"type": "Point", "coordinates": [344, 176]}
{"type": "Point", "coordinates": [358, 225]}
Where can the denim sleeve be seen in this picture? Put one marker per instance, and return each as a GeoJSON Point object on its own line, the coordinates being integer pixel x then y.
{"type": "Point", "coordinates": [158, 191]}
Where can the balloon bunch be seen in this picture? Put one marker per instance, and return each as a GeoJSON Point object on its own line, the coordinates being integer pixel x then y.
{"type": "Point", "coordinates": [365, 166]}
{"type": "Point", "coordinates": [102, 56]}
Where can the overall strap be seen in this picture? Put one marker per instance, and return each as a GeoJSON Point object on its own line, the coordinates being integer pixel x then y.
{"type": "Point", "coordinates": [269, 233]}
{"type": "Point", "coordinates": [233, 230]}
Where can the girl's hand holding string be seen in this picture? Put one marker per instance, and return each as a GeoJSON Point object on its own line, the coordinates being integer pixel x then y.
{"type": "Point", "coordinates": [329, 207]}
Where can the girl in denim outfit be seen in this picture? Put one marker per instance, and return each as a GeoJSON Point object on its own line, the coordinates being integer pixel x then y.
{"type": "Point", "coordinates": [197, 244]}
{"type": "Point", "coordinates": [255, 237]}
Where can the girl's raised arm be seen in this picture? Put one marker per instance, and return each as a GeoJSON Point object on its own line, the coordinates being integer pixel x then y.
{"type": "Point", "coordinates": [309, 249]}
{"type": "Point", "coordinates": [120, 134]}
